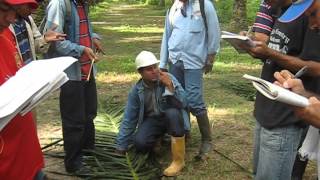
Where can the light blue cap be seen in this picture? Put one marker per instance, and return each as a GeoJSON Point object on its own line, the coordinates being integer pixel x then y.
{"type": "Point", "coordinates": [295, 10]}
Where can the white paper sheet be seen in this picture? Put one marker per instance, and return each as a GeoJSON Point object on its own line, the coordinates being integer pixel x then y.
{"type": "Point", "coordinates": [30, 85]}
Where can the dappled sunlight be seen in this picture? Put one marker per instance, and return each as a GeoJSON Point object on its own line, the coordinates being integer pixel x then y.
{"type": "Point", "coordinates": [221, 114]}
{"type": "Point", "coordinates": [117, 78]}
{"type": "Point", "coordinates": [129, 28]}
{"type": "Point", "coordinates": [140, 39]}
{"type": "Point", "coordinates": [236, 66]}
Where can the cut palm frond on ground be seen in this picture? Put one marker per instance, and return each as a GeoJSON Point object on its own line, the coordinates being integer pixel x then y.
{"type": "Point", "coordinates": [103, 162]}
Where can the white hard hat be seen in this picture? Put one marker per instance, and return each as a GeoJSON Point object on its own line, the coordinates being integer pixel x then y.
{"type": "Point", "coordinates": [145, 58]}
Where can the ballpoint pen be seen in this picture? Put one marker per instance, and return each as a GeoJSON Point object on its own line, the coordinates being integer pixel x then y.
{"type": "Point", "coordinates": [301, 72]}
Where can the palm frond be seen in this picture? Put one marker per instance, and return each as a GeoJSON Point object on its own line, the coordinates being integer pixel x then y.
{"type": "Point", "coordinates": [103, 162]}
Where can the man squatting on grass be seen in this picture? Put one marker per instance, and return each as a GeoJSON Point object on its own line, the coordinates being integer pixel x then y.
{"type": "Point", "coordinates": [155, 105]}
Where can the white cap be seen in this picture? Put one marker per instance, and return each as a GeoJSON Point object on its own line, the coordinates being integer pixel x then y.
{"type": "Point", "coordinates": [146, 58]}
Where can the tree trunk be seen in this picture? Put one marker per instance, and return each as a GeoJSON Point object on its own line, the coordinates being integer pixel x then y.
{"type": "Point", "coordinates": [162, 3]}
{"type": "Point", "coordinates": [239, 19]}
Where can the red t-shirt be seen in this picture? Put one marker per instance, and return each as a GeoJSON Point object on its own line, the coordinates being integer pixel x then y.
{"type": "Point", "coordinates": [20, 152]}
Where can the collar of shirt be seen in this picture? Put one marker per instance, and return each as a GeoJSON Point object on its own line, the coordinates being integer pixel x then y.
{"type": "Point", "coordinates": [149, 86]}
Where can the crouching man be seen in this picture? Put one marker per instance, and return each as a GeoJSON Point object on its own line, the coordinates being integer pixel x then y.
{"type": "Point", "coordinates": [155, 106]}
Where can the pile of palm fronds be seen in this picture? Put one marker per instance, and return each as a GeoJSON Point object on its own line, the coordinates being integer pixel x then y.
{"type": "Point", "coordinates": [104, 163]}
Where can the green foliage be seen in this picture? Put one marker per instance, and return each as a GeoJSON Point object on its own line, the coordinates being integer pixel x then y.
{"type": "Point", "coordinates": [225, 10]}
{"type": "Point", "coordinates": [252, 8]}
{"type": "Point", "coordinates": [152, 2]}
{"type": "Point", "coordinates": [40, 12]}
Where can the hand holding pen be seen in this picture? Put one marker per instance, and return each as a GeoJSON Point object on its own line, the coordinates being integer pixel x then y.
{"type": "Point", "coordinates": [285, 75]}
{"type": "Point", "coordinates": [287, 80]}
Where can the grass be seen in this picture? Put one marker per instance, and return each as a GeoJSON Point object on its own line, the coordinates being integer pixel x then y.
{"type": "Point", "coordinates": [126, 30]}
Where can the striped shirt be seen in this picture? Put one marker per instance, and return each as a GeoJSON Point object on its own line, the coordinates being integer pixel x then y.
{"type": "Point", "coordinates": [264, 20]}
{"type": "Point", "coordinates": [85, 40]}
{"type": "Point", "coordinates": [21, 33]}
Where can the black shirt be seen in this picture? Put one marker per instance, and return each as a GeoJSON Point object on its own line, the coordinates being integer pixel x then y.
{"type": "Point", "coordinates": [293, 39]}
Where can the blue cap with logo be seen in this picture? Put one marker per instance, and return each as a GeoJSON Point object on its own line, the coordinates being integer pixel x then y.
{"type": "Point", "coordinates": [297, 8]}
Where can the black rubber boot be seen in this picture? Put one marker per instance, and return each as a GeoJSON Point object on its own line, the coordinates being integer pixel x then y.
{"type": "Point", "coordinates": [206, 139]}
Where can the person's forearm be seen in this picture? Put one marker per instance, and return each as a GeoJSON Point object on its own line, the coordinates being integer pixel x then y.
{"type": "Point", "coordinates": [309, 94]}
{"type": "Point", "coordinates": [261, 37]}
{"type": "Point", "coordinates": [293, 64]}
{"type": "Point", "coordinates": [310, 115]}
{"type": "Point", "coordinates": [314, 121]}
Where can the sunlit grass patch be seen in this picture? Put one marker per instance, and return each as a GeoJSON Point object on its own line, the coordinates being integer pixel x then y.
{"type": "Point", "coordinates": [112, 77]}
{"type": "Point", "coordinates": [130, 28]}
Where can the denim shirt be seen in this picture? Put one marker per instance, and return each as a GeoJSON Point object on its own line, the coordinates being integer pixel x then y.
{"type": "Point", "coordinates": [134, 111]}
{"type": "Point", "coordinates": [56, 12]}
{"type": "Point", "coordinates": [185, 39]}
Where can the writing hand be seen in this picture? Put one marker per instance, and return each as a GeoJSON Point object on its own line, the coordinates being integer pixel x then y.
{"type": "Point", "coordinates": [260, 50]}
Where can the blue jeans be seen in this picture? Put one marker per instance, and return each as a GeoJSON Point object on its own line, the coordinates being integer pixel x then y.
{"type": "Point", "coordinates": [151, 129]}
{"type": "Point", "coordinates": [275, 151]}
{"type": "Point", "coordinates": [192, 82]}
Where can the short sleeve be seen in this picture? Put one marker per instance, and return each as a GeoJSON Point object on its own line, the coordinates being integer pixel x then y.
{"type": "Point", "coordinates": [264, 20]}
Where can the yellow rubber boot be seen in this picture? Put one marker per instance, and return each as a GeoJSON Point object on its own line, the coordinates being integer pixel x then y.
{"type": "Point", "coordinates": [178, 152]}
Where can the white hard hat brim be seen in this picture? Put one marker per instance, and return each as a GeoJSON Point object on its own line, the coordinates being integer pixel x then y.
{"type": "Point", "coordinates": [148, 64]}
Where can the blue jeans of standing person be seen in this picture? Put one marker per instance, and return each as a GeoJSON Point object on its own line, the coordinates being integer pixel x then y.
{"type": "Point", "coordinates": [192, 82]}
{"type": "Point", "coordinates": [151, 129]}
{"type": "Point", "coordinates": [275, 151]}
{"type": "Point", "coordinates": [78, 107]}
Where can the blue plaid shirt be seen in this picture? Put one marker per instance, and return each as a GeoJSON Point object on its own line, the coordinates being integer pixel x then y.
{"type": "Point", "coordinates": [22, 38]}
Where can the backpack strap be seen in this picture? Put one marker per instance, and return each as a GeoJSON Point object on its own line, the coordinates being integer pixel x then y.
{"type": "Point", "coordinates": [203, 14]}
{"type": "Point", "coordinates": [202, 11]}
{"type": "Point", "coordinates": [68, 16]}
{"type": "Point", "coordinates": [42, 24]}
{"type": "Point", "coordinates": [170, 13]}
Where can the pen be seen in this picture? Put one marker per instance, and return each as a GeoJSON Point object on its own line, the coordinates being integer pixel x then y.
{"type": "Point", "coordinates": [301, 72]}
